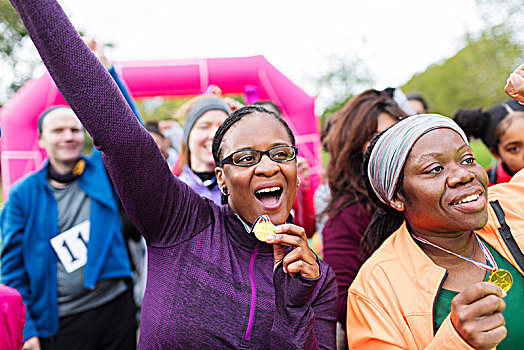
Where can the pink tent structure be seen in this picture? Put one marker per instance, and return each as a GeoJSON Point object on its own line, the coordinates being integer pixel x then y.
{"type": "Point", "coordinates": [253, 76]}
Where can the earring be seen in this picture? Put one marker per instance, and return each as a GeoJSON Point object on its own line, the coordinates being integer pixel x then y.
{"type": "Point", "coordinates": [224, 191]}
{"type": "Point", "coordinates": [399, 206]}
{"type": "Point", "coordinates": [298, 181]}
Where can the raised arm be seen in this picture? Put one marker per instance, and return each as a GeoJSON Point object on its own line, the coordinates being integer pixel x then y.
{"type": "Point", "coordinates": [148, 190]}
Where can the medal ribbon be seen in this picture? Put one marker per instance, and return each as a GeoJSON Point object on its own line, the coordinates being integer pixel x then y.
{"type": "Point", "coordinates": [261, 218]}
{"type": "Point", "coordinates": [486, 252]}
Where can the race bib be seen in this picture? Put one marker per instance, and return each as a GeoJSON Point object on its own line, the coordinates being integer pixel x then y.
{"type": "Point", "coordinates": [71, 246]}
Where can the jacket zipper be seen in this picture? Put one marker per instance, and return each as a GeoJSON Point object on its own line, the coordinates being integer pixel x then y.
{"type": "Point", "coordinates": [253, 293]}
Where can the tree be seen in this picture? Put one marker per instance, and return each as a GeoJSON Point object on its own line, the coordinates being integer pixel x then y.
{"type": "Point", "coordinates": [13, 40]}
{"type": "Point", "coordinates": [474, 77]}
{"type": "Point", "coordinates": [345, 77]}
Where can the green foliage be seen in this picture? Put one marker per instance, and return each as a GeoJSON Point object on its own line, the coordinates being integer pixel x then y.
{"type": "Point", "coordinates": [335, 106]}
{"type": "Point", "coordinates": [482, 154]}
{"type": "Point", "coordinates": [12, 29]}
{"type": "Point", "coordinates": [159, 108]}
{"type": "Point", "coordinates": [12, 33]}
{"type": "Point", "coordinates": [474, 77]}
{"type": "Point", "coordinates": [345, 77]}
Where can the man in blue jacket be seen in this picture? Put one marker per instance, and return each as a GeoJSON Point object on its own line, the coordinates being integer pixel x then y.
{"type": "Point", "coordinates": [63, 250]}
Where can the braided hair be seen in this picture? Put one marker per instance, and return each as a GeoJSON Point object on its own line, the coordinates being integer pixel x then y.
{"type": "Point", "coordinates": [386, 219]}
{"type": "Point", "coordinates": [235, 117]}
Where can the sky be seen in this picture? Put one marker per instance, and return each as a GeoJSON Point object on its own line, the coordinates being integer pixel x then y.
{"type": "Point", "coordinates": [395, 38]}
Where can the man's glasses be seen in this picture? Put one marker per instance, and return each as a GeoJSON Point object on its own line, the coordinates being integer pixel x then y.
{"type": "Point", "coordinates": [248, 157]}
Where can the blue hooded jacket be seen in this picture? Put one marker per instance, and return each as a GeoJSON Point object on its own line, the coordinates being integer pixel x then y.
{"type": "Point", "coordinates": [29, 263]}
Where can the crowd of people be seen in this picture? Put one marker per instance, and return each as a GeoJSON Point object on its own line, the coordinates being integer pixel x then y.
{"type": "Point", "coordinates": [420, 246]}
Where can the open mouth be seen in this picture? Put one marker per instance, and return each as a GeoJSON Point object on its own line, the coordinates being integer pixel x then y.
{"type": "Point", "coordinates": [269, 196]}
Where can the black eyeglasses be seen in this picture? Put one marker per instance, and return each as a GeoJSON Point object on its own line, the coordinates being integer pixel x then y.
{"type": "Point", "coordinates": [248, 157]}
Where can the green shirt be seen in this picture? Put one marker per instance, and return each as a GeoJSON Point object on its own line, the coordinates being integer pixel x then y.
{"type": "Point", "coordinates": [514, 301]}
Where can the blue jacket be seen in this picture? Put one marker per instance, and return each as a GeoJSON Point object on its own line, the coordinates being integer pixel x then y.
{"type": "Point", "coordinates": [29, 263]}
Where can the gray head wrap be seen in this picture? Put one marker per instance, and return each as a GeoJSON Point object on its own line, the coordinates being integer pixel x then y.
{"type": "Point", "coordinates": [208, 104]}
{"type": "Point", "coordinates": [392, 149]}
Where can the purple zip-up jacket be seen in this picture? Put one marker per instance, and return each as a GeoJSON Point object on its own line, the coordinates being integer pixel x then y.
{"type": "Point", "coordinates": [210, 284]}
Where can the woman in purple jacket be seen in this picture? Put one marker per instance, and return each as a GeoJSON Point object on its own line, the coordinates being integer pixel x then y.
{"type": "Point", "coordinates": [211, 283]}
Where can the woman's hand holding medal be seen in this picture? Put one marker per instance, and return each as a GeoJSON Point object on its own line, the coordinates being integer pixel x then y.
{"type": "Point", "coordinates": [301, 258]}
{"type": "Point", "coordinates": [476, 314]}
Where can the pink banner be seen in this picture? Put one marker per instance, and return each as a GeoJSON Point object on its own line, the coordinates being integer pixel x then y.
{"type": "Point", "coordinates": [253, 76]}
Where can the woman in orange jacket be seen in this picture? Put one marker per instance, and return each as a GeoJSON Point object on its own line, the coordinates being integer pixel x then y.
{"type": "Point", "coordinates": [444, 247]}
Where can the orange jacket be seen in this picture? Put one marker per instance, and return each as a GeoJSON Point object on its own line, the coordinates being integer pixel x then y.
{"type": "Point", "coordinates": [391, 301]}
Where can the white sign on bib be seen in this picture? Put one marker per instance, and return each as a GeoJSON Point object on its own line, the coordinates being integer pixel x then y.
{"type": "Point", "coordinates": [71, 246]}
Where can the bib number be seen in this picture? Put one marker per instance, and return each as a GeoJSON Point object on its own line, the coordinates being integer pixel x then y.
{"type": "Point", "coordinates": [71, 246]}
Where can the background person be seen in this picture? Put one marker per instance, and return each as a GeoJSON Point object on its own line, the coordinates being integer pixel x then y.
{"type": "Point", "coordinates": [501, 128]}
{"type": "Point", "coordinates": [349, 210]}
{"type": "Point", "coordinates": [12, 318]}
{"type": "Point", "coordinates": [203, 287]}
{"type": "Point", "coordinates": [418, 103]}
{"type": "Point", "coordinates": [63, 250]}
{"type": "Point", "coordinates": [161, 141]}
{"type": "Point", "coordinates": [204, 115]}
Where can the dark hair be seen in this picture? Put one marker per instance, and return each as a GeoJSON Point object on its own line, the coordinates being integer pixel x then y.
{"type": "Point", "coordinates": [486, 125]}
{"type": "Point", "coordinates": [154, 130]}
{"type": "Point", "coordinates": [419, 98]}
{"type": "Point", "coordinates": [153, 123]}
{"type": "Point", "coordinates": [268, 103]}
{"type": "Point", "coordinates": [386, 220]}
{"type": "Point", "coordinates": [350, 128]}
{"type": "Point", "coordinates": [235, 117]}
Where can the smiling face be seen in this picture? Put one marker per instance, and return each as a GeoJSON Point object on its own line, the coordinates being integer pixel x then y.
{"type": "Point", "coordinates": [444, 186]}
{"type": "Point", "coordinates": [62, 137]}
{"type": "Point", "coordinates": [264, 188]}
{"type": "Point", "coordinates": [201, 140]}
{"type": "Point", "coordinates": [510, 145]}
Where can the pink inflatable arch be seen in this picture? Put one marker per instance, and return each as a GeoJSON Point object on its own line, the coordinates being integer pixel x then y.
{"type": "Point", "coordinates": [253, 76]}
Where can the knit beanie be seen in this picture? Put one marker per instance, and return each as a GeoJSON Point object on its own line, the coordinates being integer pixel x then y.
{"type": "Point", "coordinates": [199, 109]}
{"type": "Point", "coordinates": [44, 114]}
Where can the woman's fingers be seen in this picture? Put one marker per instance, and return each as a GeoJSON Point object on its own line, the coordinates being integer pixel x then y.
{"type": "Point", "coordinates": [476, 292]}
{"type": "Point", "coordinates": [300, 259]}
{"type": "Point", "coordinates": [476, 315]}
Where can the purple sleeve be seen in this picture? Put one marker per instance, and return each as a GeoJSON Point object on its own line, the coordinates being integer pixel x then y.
{"type": "Point", "coordinates": [341, 249]}
{"type": "Point", "coordinates": [304, 318]}
{"type": "Point", "coordinates": [148, 190]}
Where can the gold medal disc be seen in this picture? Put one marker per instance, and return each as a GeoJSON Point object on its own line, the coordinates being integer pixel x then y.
{"type": "Point", "coordinates": [501, 278]}
{"type": "Point", "coordinates": [264, 229]}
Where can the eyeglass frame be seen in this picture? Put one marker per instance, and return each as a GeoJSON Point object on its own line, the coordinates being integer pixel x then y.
{"type": "Point", "coordinates": [229, 158]}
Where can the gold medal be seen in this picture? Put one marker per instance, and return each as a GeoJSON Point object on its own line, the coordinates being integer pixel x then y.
{"type": "Point", "coordinates": [264, 229]}
{"type": "Point", "coordinates": [501, 278]}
